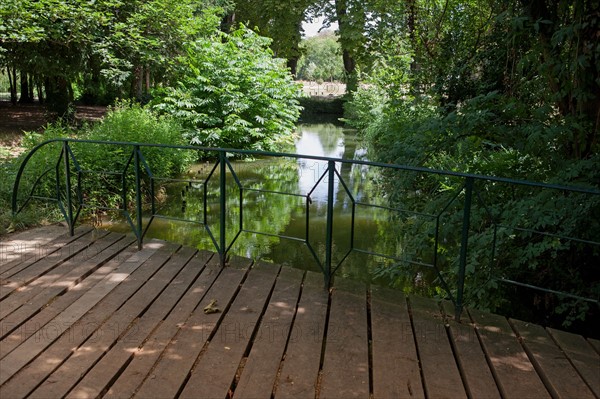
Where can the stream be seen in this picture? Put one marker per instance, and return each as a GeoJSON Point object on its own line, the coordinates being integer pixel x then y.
{"type": "Point", "coordinates": [285, 214]}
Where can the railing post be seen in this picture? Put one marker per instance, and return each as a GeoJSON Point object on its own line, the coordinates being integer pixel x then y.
{"type": "Point", "coordinates": [463, 248]}
{"type": "Point", "coordinates": [68, 188]}
{"type": "Point", "coordinates": [329, 228]}
{"type": "Point", "coordinates": [138, 196]}
{"type": "Point", "coordinates": [223, 203]}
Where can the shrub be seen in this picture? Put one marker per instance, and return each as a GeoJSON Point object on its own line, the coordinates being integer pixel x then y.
{"type": "Point", "coordinates": [102, 164]}
{"type": "Point", "coordinates": [234, 94]}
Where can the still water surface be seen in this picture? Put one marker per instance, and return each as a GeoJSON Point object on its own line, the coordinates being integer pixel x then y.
{"type": "Point", "coordinates": [285, 215]}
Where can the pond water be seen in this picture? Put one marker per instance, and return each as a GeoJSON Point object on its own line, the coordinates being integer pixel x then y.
{"type": "Point", "coordinates": [283, 217]}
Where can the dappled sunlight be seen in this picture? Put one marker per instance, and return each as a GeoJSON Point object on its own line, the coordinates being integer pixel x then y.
{"type": "Point", "coordinates": [173, 356]}
{"type": "Point", "coordinates": [85, 393]}
{"type": "Point", "coordinates": [116, 277]}
{"type": "Point", "coordinates": [490, 329]}
{"type": "Point", "coordinates": [520, 361]}
{"type": "Point", "coordinates": [53, 361]}
{"type": "Point", "coordinates": [283, 305]}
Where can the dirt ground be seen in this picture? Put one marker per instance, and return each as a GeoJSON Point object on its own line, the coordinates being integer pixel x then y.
{"type": "Point", "coordinates": [16, 119]}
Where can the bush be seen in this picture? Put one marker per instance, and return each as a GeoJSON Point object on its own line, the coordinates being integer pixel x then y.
{"type": "Point", "coordinates": [491, 135]}
{"type": "Point", "coordinates": [234, 94]}
{"type": "Point", "coordinates": [102, 164]}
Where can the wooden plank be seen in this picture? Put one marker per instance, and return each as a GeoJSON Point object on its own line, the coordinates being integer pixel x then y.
{"type": "Point", "coordinates": [136, 271]}
{"type": "Point", "coordinates": [78, 251]}
{"type": "Point", "coordinates": [595, 344]}
{"type": "Point", "coordinates": [584, 358]}
{"type": "Point", "coordinates": [172, 369]}
{"type": "Point", "coordinates": [145, 357]}
{"type": "Point", "coordinates": [40, 290]}
{"type": "Point", "coordinates": [478, 378]}
{"type": "Point", "coordinates": [21, 326]}
{"type": "Point", "coordinates": [47, 288]}
{"type": "Point", "coordinates": [441, 376]}
{"type": "Point", "coordinates": [32, 245]}
{"type": "Point", "coordinates": [396, 370]}
{"type": "Point", "coordinates": [514, 373]}
{"type": "Point", "coordinates": [260, 370]}
{"type": "Point", "coordinates": [300, 368]}
{"type": "Point", "coordinates": [213, 374]}
{"type": "Point", "coordinates": [346, 359]}
{"type": "Point", "coordinates": [553, 367]}
{"type": "Point", "coordinates": [131, 324]}
{"type": "Point", "coordinates": [33, 346]}
{"type": "Point", "coordinates": [96, 382]}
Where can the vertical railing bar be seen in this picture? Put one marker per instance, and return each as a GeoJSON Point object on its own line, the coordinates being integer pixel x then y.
{"type": "Point", "coordinates": [152, 199]}
{"type": "Point", "coordinates": [223, 203]}
{"type": "Point", "coordinates": [463, 248]}
{"type": "Point", "coordinates": [138, 196]}
{"type": "Point", "coordinates": [308, 201]}
{"type": "Point", "coordinates": [329, 231]}
{"type": "Point", "coordinates": [205, 201]}
{"type": "Point", "coordinates": [68, 188]}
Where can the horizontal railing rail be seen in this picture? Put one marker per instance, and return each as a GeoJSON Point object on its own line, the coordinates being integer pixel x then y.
{"type": "Point", "coordinates": [68, 175]}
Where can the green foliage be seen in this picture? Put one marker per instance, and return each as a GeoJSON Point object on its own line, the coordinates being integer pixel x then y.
{"type": "Point", "coordinates": [281, 21]}
{"type": "Point", "coordinates": [111, 48]}
{"type": "Point", "coordinates": [321, 59]}
{"type": "Point", "coordinates": [478, 100]}
{"type": "Point", "coordinates": [103, 164]}
{"type": "Point", "coordinates": [234, 94]}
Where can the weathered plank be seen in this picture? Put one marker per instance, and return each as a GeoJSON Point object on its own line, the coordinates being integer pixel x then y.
{"type": "Point", "coordinates": [396, 370]}
{"type": "Point", "coordinates": [441, 376]}
{"type": "Point", "coordinates": [346, 359]}
{"type": "Point", "coordinates": [63, 278]}
{"type": "Point", "coordinates": [213, 374]}
{"type": "Point", "coordinates": [49, 269]}
{"type": "Point", "coordinates": [595, 344]}
{"type": "Point", "coordinates": [145, 357]}
{"type": "Point", "coordinates": [33, 346]}
{"type": "Point", "coordinates": [584, 358]}
{"type": "Point", "coordinates": [260, 370]}
{"type": "Point", "coordinates": [125, 324]}
{"type": "Point", "coordinates": [478, 378]}
{"type": "Point", "coordinates": [59, 346]}
{"type": "Point", "coordinates": [21, 326]}
{"type": "Point", "coordinates": [23, 249]}
{"type": "Point", "coordinates": [553, 367]}
{"type": "Point", "coordinates": [300, 369]}
{"type": "Point", "coordinates": [515, 375]}
{"type": "Point", "coordinates": [107, 369]}
{"type": "Point", "coordinates": [171, 371]}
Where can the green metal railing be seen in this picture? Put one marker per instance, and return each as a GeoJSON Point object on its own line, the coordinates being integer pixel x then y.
{"type": "Point", "coordinates": [69, 175]}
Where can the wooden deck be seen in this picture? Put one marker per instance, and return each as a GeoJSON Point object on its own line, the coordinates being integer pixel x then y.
{"type": "Point", "coordinates": [90, 316]}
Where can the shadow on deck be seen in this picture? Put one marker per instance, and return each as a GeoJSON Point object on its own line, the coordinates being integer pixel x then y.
{"type": "Point", "coordinates": [89, 316]}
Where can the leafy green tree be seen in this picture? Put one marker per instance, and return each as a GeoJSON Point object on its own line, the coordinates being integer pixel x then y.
{"type": "Point", "coordinates": [495, 88]}
{"type": "Point", "coordinates": [321, 59]}
{"type": "Point", "coordinates": [234, 93]}
{"type": "Point", "coordinates": [281, 21]}
{"type": "Point", "coordinates": [123, 47]}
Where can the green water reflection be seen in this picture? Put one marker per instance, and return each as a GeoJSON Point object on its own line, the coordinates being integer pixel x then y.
{"type": "Point", "coordinates": [267, 210]}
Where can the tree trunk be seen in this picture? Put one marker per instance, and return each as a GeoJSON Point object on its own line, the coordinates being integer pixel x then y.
{"type": "Point", "coordinates": [137, 83]}
{"type": "Point", "coordinates": [40, 90]}
{"type": "Point", "coordinates": [58, 97]}
{"type": "Point", "coordinates": [147, 83]}
{"type": "Point", "coordinates": [12, 82]}
{"type": "Point", "coordinates": [341, 9]}
{"type": "Point", "coordinates": [227, 22]}
{"type": "Point", "coordinates": [292, 63]}
{"type": "Point", "coordinates": [31, 85]}
{"type": "Point", "coordinates": [25, 97]}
